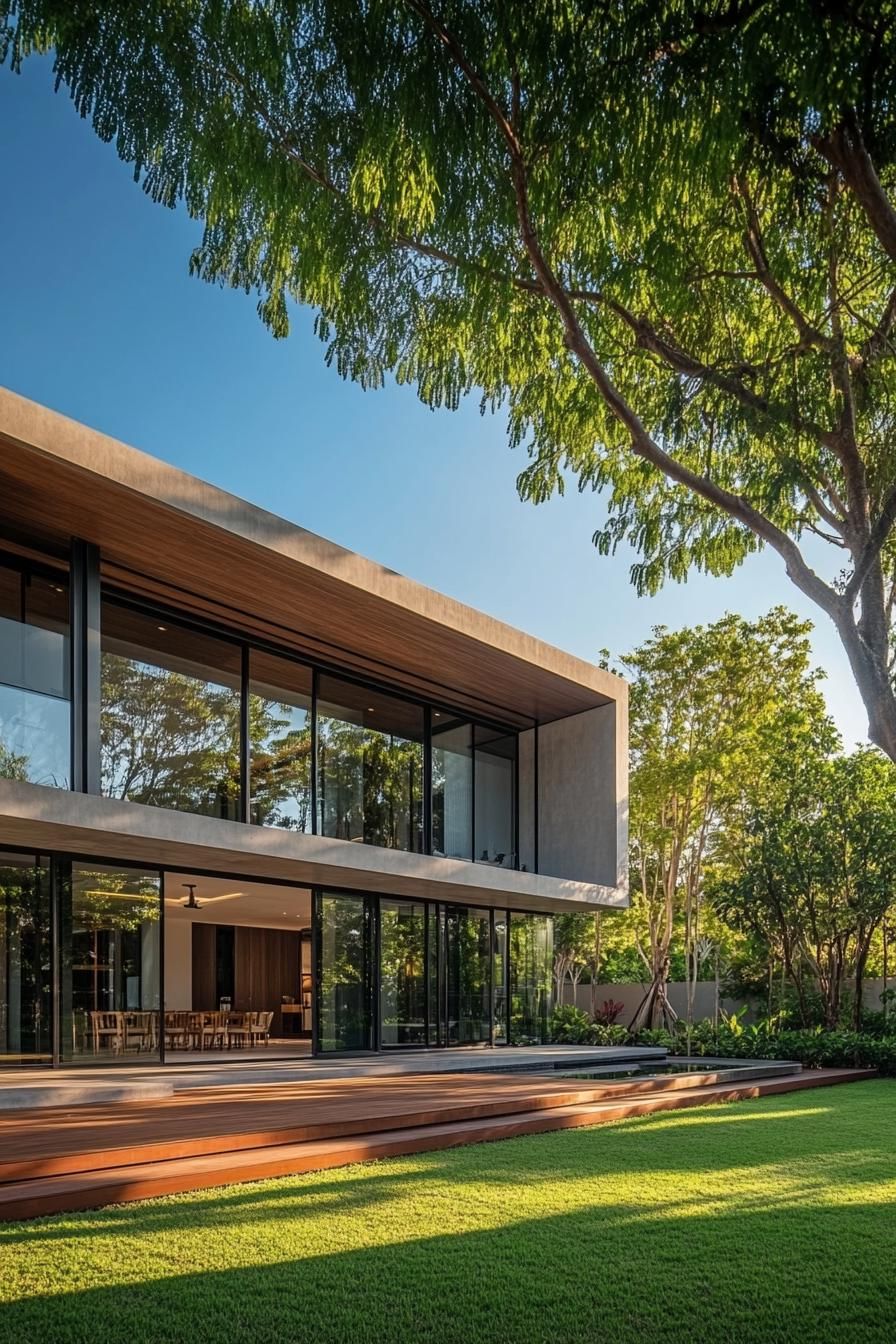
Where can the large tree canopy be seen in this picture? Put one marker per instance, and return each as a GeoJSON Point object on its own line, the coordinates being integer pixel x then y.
{"type": "Point", "coordinates": [661, 235]}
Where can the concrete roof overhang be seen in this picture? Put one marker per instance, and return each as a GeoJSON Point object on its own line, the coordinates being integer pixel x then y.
{"type": "Point", "coordinates": [39, 819]}
{"type": "Point", "coordinates": [173, 538]}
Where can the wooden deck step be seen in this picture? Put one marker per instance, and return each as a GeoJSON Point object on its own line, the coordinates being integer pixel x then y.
{"type": "Point", "coordinates": [141, 1180]}
{"type": "Point", "coordinates": [92, 1140]}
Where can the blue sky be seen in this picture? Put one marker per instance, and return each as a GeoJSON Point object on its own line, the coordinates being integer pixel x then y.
{"type": "Point", "coordinates": [101, 321]}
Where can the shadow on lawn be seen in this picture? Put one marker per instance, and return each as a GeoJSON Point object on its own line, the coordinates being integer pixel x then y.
{"type": "Point", "coordinates": [584, 1275]}
{"type": "Point", "coordinates": [811, 1139]}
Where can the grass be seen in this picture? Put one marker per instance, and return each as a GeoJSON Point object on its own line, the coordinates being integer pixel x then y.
{"type": "Point", "coordinates": [761, 1221]}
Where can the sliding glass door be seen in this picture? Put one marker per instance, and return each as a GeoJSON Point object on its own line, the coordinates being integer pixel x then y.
{"type": "Point", "coordinates": [26, 1021]}
{"type": "Point", "coordinates": [403, 956]}
{"type": "Point", "coordinates": [468, 981]}
{"type": "Point", "coordinates": [343, 972]}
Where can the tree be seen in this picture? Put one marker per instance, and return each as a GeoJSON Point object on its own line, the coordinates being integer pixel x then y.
{"type": "Point", "coordinates": [711, 707]}
{"type": "Point", "coordinates": [662, 236]}
{"type": "Point", "coordinates": [815, 868]}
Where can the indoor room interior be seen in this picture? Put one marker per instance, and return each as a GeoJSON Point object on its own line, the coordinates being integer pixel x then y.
{"type": "Point", "coordinates": [237, 967]}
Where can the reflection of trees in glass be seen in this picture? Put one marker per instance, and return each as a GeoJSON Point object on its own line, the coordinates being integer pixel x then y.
{"type": "Point", "coordinates": [168, 739]}
{"type": "Point", "coordinates": [402, 973]}
{"type": "Point", "coordinates": [24, 959]}
{"type": "Point", "coordinates": [12, 766]}
{"type": "Point", "coordinates": [370, 785]}
{"type": "Point", "coordinates": [344, 974]}
{"type": "Point", "coordinates": [113, 911]}
{"type": "Point", "coordinates": [468, 957]}
{"type": "Point", "coordinates": [280, 736]}
{"type": "Point", "coordinates": [108, 899]}
{"type": "Point", "coordinates": [531, 968]}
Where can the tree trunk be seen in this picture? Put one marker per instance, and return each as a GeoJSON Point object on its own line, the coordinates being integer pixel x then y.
{"type": "Point", "coordinates": [655, 1010]}
{"type": "Point", "coordinates": [862, 951]}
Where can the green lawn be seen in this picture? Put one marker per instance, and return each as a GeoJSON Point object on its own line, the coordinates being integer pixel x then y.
{"type": "Point", "coordinates": [761, 1221]}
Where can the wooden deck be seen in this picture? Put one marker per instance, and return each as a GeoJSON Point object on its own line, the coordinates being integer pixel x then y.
{"type": "Point", "coordinates": [87, 1156]}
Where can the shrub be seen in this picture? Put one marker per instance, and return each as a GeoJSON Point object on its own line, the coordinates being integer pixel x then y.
{"type": "Point", "coordinates": [608, 1012]}
{"type": "Point", "coordinates": [570, 1026]}
{"type": "Point", "coordinates": [813, 1047]}
{"type": "Point", "coordinates": [609, 1034]}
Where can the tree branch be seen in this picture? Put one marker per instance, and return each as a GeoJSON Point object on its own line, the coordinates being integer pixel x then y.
{"type": "Point", "coordinates": [877, 539]}
{"type": "Point", "coordinates": [577, 342]}
{"type": "Point", "coordinates": [844, 148]}
{"type": "Point", "coordinates": [808, 333]}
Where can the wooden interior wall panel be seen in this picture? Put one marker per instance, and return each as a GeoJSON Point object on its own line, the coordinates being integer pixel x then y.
{"type": "Point", "coordinates": [204, 964]}
{"type": "Point", "coordinates": [267, 967]}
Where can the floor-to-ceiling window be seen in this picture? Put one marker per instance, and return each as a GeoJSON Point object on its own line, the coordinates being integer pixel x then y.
{"type": "Point", "coordinates": [452, 787]}
{"type": "Point", "coordinates": [35, 695]}
{"type": "Point", "coordinates": [280, 742]}
{"type": "Point", "coordinates": [109, 931]}
{"type": "Point", "coordinates": [468, 975]}
{"type": "Point", "coordinates": [403, 986]}
{"type": "Point", "coordinates": [170, 714]}
{"type": "Point", "coordinates": [370, 766]}
{"type": "Point", "coordinates": [473, 791]}
{"type": "Point", "coordinates": [344, 972]}
{"type": "Point", "coordinates": [26, 1027]}
{"type": "Point", "coordinates": [531, 983]}
{"type": "Point", "coordinates": [499, 978]}
{"type": "Point", "coordinates": [494, 793]}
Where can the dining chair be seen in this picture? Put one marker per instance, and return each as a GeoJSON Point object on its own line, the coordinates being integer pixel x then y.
{"type": "Point", "coordinates": [260, 1027]}
{"type": "Point", "coordinates": [237, 1030]}
{"type": "Point", "coordinates": [108, 1031]}
{"type": "Point", "coordinates": [138, 1030]}
{"type": "Point", "coordinates": [214, 1030]}
{"type": "Point", "coordinates": [176, 1030]}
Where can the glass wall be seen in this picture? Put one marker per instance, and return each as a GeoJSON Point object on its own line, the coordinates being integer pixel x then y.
{"type": "Point", "coordinates": [170, 715]}
{"type": "Point", "coordinates": [25, 966]}
{"type": "Point", "coordinates": [370, 766]}
{"type": "Point", "coordinates": [402, 973]}
{"type": "Point", "coordinates": [495, 802]}
{"type": "Point", "coordinates": [110, 976]}
{"type": "Point", "coordinates": [35, 694]}
{"type": "Point", "coordinates": [499, 977]}
{"type": "Point", "coordinates": [452, 787]}
{"type": "Point", "coordinates": [343, 972]}
{"type": "Point", "coordinates": [468, 975]}
{"type": "Point", "coordinates": [473, 792]}
{"type": "Point", "coordinates": [531, 978]}
{"type": "Point", "coordinates": [280, 742]}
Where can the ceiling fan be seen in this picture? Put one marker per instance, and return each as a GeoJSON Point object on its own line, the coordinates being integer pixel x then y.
{"type": "Point", "coordinates": [191, 903]}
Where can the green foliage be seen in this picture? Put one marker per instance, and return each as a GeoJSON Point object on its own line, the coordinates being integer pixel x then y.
{"type": "Point", "coordinates": [570, 1025]}
{"type": "Point", "coordinates": [815, 1048]}
{"type": "Point", "coordinates": [712, 709]}
{"type": "Point", "coordinates": [659, 237]}
{"type": "Point", "coordinates": [811, 868]}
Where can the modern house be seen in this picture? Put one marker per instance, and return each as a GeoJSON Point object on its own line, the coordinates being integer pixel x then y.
{"type": "Point", "coordinates": [255, 788]}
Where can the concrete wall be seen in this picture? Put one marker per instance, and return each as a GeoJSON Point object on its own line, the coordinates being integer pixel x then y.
{"type": "Point", "coordinates": [630, 995]}
{"type": "Point", "coordinates": [704, 1000]}
{"type": "Point", "coordinates": [582, 783]}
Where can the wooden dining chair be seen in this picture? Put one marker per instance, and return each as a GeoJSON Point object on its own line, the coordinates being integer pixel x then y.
{"type": "Point", "coordinates": [237, 1030]}
{"type": "Point", "coordinates": [214, 1030]}
{"type": "Point", "coordinates": [108, 1030]}
{"type": "Point", "coordinates": [260, 1027]}
{"type": "Point", "coordinates": [176, 1030]}
{"type": "Point", "coordinates": [138, 1030]}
